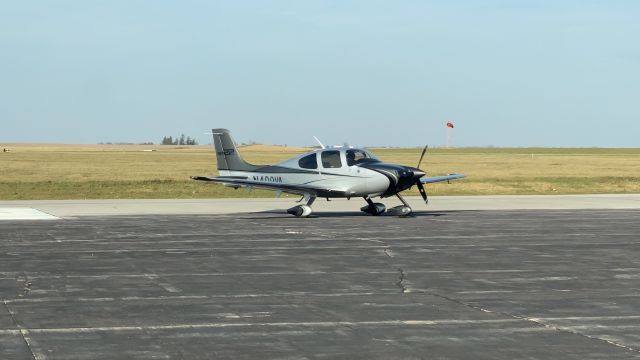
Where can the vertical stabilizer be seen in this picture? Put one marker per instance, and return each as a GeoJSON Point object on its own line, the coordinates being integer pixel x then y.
{"type": "Point", "coordinates": [227, 153]}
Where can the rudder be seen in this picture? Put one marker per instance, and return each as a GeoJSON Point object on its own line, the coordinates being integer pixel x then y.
{"type": "Point", "coordinates": [227, 153]}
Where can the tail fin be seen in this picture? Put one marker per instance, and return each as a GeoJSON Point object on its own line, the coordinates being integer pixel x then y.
{"type": "Point", "coordinates": [227, 154]}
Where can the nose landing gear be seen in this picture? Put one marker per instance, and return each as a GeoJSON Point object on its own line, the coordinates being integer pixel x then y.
{"type": "Point", "coordinates": [379, 208]}
{"type": "Point", "coordinates": [402, 210]}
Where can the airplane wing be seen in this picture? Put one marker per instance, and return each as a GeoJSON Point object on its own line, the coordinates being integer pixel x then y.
{"type": "Point", "coordinates": [242, 181]}
{"type": "Point", "coordinates": [435, 179]}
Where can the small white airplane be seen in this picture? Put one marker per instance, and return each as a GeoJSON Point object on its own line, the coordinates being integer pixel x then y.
{"type": "Point", "coordinates": [329, 172]}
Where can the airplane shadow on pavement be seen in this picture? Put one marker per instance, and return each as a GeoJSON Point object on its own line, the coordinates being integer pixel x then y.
{"type": "Point", "coordinates": [279, 214]}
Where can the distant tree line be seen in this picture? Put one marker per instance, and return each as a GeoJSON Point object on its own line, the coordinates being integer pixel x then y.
{"type": "Point", "coordinates": [181, 140]}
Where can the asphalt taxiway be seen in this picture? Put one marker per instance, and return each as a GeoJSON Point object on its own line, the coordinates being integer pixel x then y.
{"type": "Point", "coordinates": [451, 284]}
{"type": "Point", "coordinates": [71, 208]}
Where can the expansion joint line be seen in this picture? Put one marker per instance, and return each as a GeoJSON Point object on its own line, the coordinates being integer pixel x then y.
{"type": "Point", "coordinates": [23, 332]}
{"type": "Point", "coordinates": [538, 322]}
{"type": "Point", "coordinates": [574, 332]}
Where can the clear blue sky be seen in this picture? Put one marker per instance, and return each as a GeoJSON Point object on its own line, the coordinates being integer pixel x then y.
{"type": "Point", "coordinates": [507, 73]}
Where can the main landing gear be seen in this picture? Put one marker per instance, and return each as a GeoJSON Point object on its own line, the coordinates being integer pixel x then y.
{"type": "Point", "coordinates": [377, 209]}
{"type": "Point", "coordinates": [371, 208]}
{"type": "Point", "coordinates": [303, 210]}
{"type": "Point", "coordinates": [374, 209]}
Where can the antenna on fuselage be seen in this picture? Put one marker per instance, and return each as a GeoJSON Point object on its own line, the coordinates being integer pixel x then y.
{"type": "Point", "coordinates": [319, 142]}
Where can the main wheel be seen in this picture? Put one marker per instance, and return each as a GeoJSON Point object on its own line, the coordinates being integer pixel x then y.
{"type": "Point", "coordinates": [300, 211]}
{"type": "Point", "coordinates": [375, 210]}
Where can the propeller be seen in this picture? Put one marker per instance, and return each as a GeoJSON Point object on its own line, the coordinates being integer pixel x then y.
{"type": "Point", "coordinates": [422, 156]}
{"type": "Point", "coordinates": [423, 192]}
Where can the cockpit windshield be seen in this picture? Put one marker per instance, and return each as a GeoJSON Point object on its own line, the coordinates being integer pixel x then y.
{"type": "Point", "coordinates": [358, 156]}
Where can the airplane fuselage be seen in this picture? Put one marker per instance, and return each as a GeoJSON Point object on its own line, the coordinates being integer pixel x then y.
{"type": "Point", "coordinates": [339, 177]}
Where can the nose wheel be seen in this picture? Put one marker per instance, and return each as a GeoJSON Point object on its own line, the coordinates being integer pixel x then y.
{"type": "Point", "coordinates": [402, 210]}
{"type": "Point", "coordinates": [377, 209]}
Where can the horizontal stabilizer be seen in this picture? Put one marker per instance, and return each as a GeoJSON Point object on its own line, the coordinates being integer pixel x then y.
{"type": "Point", "coordinates": [218, 178]}
{"type": "Point", "coordinates": [242, 181]}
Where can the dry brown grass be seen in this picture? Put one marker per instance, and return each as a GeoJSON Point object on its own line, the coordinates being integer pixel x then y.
{"type": "Point", "coordinates": [44, 171]}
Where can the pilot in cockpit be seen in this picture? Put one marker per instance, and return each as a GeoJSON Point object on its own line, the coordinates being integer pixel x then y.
{"type": "Point", "coordinates": [351, 157]}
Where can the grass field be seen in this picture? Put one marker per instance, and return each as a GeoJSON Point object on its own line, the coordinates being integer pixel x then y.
{"type": "Point", "coordinates": [39, 171]}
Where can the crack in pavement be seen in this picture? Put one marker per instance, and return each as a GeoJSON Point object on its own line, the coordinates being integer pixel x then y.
{"type": "Point", "coordinates": [403, 289]}
{"type": "Point", "coordinates": [536, 321]}
{"type": "Point", "coordinates": [400, 282]}
{"type": "Point", "coordinates": [24, 284]}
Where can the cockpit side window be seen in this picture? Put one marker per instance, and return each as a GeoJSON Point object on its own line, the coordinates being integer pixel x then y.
{"type": "Point", "coordinates": [331, 159]}
{"type": "Point", "coordinates": [309, 162]}
{"type": "Point", "coordinates": [355, 156]}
